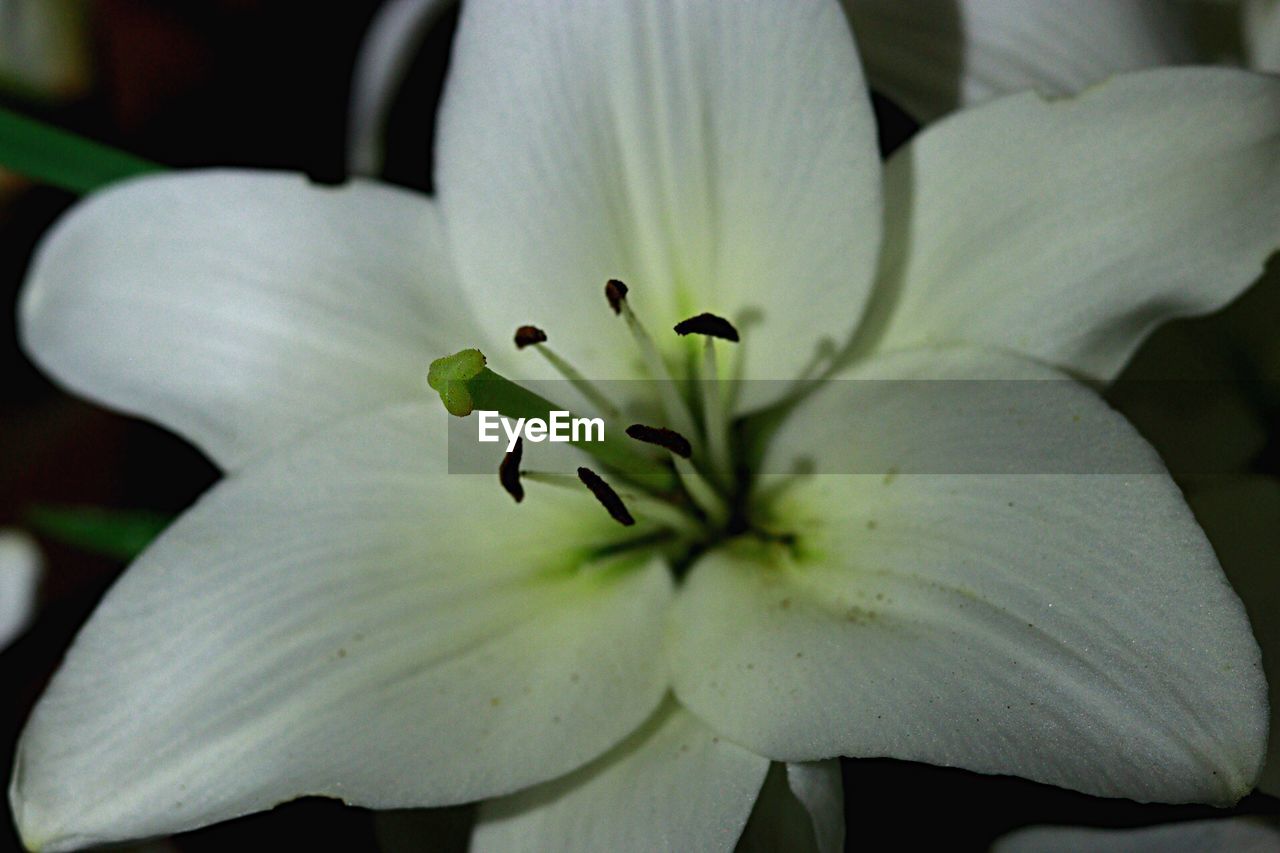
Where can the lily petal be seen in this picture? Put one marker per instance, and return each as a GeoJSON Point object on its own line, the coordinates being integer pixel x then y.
{"type": "Point", "coordinates": [1067, 230]}
{"type": "Point", "coordinates": [241, 309]}
{"type": "Point", "coordinates": [714, 156]}
{"type": "Point", "coordinates": [800, 808]}
{"type": "Point", "coordinates": [1072, 628]}
{"type": "Point", "coordinates": [338, 619]}
{"type": "Point", "coordinates": [933, 56]}
{"type": "Point", "coordinates": [19, 577]}
{"type": "Point", "coordinates": [1238, 834]}
{"type": "Point", "coordinates": [397, 30]}
{"type": "Point", "coordinates": [673, 785]}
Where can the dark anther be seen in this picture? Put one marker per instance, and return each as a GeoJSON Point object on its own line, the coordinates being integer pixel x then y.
{"type": "Point", "coordinates": [528, 336]}
{"type": "Point", "coordinates": [509, 471]}
{"type": "Point", "coordinates": [708, 324]}
{"type": "Point", "coordinates": [663, 437]}
{"type": "Point", "coordinates": [615, 291]}
{"type": "Point", "coordinates": [607, 496]}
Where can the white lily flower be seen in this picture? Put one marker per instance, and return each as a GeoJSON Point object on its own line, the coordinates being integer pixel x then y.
{"type": "Point", "coordinates": [933, 56]}
{"type": "Point", "coordinates": [341, 617]}
{"type": "Point", "coordinates": [19, 578]}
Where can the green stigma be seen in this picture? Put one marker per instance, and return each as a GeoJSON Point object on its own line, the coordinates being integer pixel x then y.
{"type": "Point", "coordinates": [449, 376]}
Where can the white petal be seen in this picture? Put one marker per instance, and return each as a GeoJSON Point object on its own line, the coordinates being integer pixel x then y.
{"type": "Point", "coordinates": [1068, 230]}
{"type": "Point", "coordinates": [241, 308]}
{"type": "Point", "coordinates": [800, 808]}
{"type": "Point", "coordinates": [19, 577]}
{"type": "Point", "coordinates": [1238, 835]}
{"type": "Point", "coordinates": [397, 30]}
{"type": "Point", "coordinates": [340, 619]}
{"type": "Point", "coordinates": [673, 785]}
{"type": "Point", "coordinates": [1262, 34]}
{"type": "Point", "coordinates": [715, 156]}
{"type": "Point", "coordinates": [933, 56]}
{"type": "Point", "coordinates": [1071, 628]}
{"type": "Point", "coordinates": [1239, 515]}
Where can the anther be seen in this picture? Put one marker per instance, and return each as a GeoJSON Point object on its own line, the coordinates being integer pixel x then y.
{"type": "Point", "coordinates": [699, 490]}
{"type": "Point", "coordinates": [616, 292]}
{"type": "Point", "coordinates": [663, 437]}
{"type": "Point", "coordinates": [509, 471]}
{"type": "Point", "coordinates": [528, 336]}
{"type": "Point", "coordinates": [607, 496]}
{"type": "Point", "coordinates": [711, 325]}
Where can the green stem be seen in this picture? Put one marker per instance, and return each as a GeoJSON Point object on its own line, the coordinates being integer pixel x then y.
{"type": "Point", "coordinates": [50, 155]}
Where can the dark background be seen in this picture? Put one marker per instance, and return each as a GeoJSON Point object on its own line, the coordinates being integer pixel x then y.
{"type": "Point", "coordinates": [265, 84]}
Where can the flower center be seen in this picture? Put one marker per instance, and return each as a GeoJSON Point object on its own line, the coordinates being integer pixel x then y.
{"type": "Point", "coordinates": [686, 476]}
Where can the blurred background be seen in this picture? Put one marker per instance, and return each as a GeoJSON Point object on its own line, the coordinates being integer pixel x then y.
{"type": "Point", "coordinates": [267, 84]}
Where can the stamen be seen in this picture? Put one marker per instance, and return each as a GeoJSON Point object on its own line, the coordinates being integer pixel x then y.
{"type": "Point", "coordinates": [673, 405]}
{"type": "Point", "coordinates": [607, 496]}
{"type": "Point", "coordinates": [529, 335]}
{"type": "Point", "coordinates": [700, 491]}
{"type": "Point", "coordinates": [646, 507]}
{"type": "Point", "coordinates": [708, 324]}
{"type": "Point", "coordinates": [533, 336]}
{"type": "Point", "coordinates": [509, 471]}
{"type": "Point", "coordinates": [663, 437]}
{"type": "Point", "coordinates": [747, 318]}
{"type": "Point", "coordinates": [547, 478]}
{"type": "Point", "coordinates": [714, 414]}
